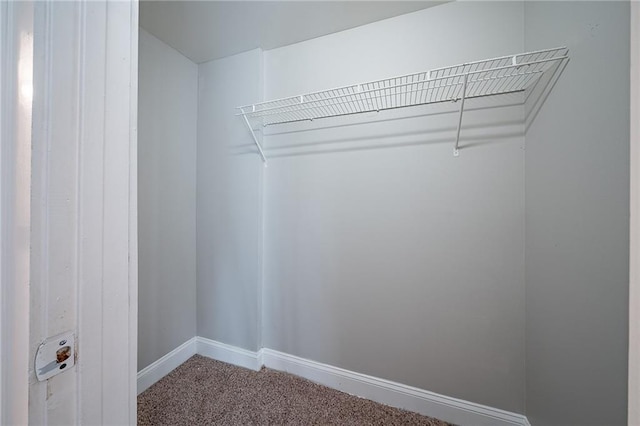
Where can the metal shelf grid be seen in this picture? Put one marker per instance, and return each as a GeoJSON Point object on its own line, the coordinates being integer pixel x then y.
{"type": "Point", "coordinates": [497, 76]}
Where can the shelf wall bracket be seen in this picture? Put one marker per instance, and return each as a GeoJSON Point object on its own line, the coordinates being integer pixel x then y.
{"type": "Point", "coordinates": [456, 151]}
{"type": "Point", "coordinates": [255, 139]}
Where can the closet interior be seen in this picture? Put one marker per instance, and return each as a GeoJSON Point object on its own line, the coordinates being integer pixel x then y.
{"type": "Point", "coordinates": [357, 209]}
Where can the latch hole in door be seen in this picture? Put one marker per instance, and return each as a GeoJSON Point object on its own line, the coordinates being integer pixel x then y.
{"type": "Point", "coordinates": [63, 354]}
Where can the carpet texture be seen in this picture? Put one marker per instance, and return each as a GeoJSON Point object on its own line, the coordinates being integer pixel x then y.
{"type": "Point", "coordinates": [203, 391]}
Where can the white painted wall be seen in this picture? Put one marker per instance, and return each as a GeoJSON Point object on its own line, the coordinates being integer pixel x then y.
{"type": "Point", "coordinates": [167, 120]}
{"type": "Point", "coordinates": [229, 204]}
{"type": "Point", "coordinates": [577, 219]}
{"type": "Point", "coordinates": [400, 261]}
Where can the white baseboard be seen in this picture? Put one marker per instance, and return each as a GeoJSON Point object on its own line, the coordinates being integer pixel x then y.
{"type": "Point", "coordinates": [165, 365]}
{"type": "Point", "coordinates": [394, 394]}
{"type": "Point", "coordinates": [431, 404]}
{"type": "Point", "coordinates": [229, 354]}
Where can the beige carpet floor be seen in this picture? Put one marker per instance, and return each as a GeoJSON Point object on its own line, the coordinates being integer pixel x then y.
{"type": "Point", "coordinates": [206, 392]}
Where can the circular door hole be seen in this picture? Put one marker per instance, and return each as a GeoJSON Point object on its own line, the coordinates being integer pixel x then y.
{"type": "Point", "coordinates": [63, 354]}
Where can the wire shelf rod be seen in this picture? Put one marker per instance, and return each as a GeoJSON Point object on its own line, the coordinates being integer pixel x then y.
{"type": "Point", "coordinates": [340, 100]}
{"type": "Point", "coordinates": [389, 108]}
{"type": "Point", "coordinates": [502, 58]}
{"type": "Point", "coordinates": [460, 74]}
{"type": "Point", "coordinates": [497, 76]}
{"type": "Point", "coordinates": [326, 102]}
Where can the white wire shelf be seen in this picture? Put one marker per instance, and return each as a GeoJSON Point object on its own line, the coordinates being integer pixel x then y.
{"type": "Point", "coordinates": [490, 77]}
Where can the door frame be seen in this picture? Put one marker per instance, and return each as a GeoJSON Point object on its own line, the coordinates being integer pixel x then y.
{"type": "Point", "coordinates": [69, 161]}
{"type": "Point", "coordinates": [16, 72]}
{"type": "Point", "coordinates": [634, 230]}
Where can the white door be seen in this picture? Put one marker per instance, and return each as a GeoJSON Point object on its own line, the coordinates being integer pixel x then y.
{"type": "Point", "coordinates": [81, 223]}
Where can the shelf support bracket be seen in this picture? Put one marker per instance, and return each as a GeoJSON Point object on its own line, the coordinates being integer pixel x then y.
{"type": "Point", "coordinates": [255, 139]}
{"type": "Point", "coordinates": [456, 151]}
